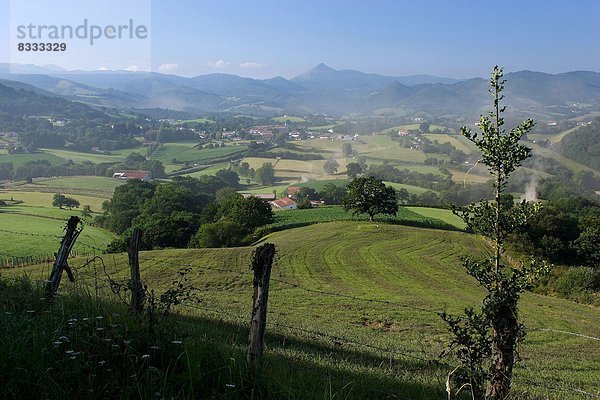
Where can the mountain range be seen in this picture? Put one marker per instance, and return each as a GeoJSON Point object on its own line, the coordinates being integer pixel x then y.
{"type": "Point", "coordinates": [319, 90]}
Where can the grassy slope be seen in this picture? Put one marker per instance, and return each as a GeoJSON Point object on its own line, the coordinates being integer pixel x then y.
{"type": "Point", "coordinates": [22, 159]}
{"type": "Point", "coordinates": [416, 269]}
{"type": "Point", "coordinates": [86, 186]}
{"type": "Point", "coordinates": [36, 216]}
{"type": "Point", "coordinates": [187, 152]}
{"type": "Point", "coordinates": [79, 157]}
{"type": "Point", "coordinates": [405, 216]}
{"type": "Point", "coordinates": [452, 139]}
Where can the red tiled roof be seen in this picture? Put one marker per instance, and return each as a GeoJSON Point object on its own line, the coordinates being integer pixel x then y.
{"type": "Point", "coordinates": [283, 202]}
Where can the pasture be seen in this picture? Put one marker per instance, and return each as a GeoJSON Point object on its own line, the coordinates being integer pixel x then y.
{"type": "Point", "coordinates": [353, 313]}
{"type": "Point", "coordinates": [79, 157]}
{"type": "Point", "coordinates": [21, 159]}
{"type": "Point", "coordinates": [452, 139]}
{"type": "Point", "coordinates": [30, 226]}
{"type": "Point", "coordinates": [97, 188]}
{"type": "Point", "coordinates": [187, 152]}
{"type": "Point", "coordinates": [288, 118]}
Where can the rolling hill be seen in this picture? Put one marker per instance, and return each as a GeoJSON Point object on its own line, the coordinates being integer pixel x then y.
{"type": "Point", "coordinates": [353, 294]}
{"type": "Point", "coordinates": [322, 89]}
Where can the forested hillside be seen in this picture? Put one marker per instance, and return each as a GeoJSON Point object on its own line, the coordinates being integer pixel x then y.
{"type": "Point", "coordinates": [583, 145]}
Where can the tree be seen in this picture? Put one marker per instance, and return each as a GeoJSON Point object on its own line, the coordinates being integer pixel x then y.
{"type": "Point", "coordinates": [332, 194]}
{"type": "Point", "coordinates": [353, 170]}
{"type": "Point", "coordinates": [330, 166]}
{"type": "Point", "coordinates": [402, 196]}
{"type": "Point", "coordinates": [424, 127]}
{"type": "Point", "coordinates": [224, 233]}
{"type": "Point", "coordinates": [250, 213]}
{"type": "Point", "coordinates": [486, 341]}
{"type": "Point", "coordinates": [305, 193]}
{"type": "Point", "coordinates": [86, 212]}
{"type": "Point", "coordinates": [61, 201]}
{"type": "Point", "coordinates": [369, 195]}
{"type": "Point", "coordinates": [347, 150]}
{"type": "Point", "coordinates": [266, 174]}
{"type": "Point", "coordinates": [231, 178]}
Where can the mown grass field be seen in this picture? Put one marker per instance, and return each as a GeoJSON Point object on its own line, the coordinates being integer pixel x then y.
{"type": "Point", "coordinates": [186, 152]}
{"type": "Point", "coordinates": [331, 333]}
{"type": "Point", "coordinates": [405, 216]}
{"type": "Point", "coordinates": [78, 157]}
{"type": "Point", "coordinates": [90, 186]}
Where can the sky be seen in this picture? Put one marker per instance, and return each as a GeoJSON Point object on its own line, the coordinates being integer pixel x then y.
{"type": "Point", "coordinates": [262, 39]}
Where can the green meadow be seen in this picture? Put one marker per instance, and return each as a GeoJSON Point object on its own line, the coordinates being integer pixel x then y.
{"type": "Point", "coordinates": [353, 314]}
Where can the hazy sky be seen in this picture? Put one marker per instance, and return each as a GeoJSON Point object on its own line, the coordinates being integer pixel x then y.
{"type": "Point", "coordinates": [455, 38]}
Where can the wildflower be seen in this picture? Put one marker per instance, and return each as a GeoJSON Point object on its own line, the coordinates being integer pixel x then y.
{"type": "Point", "coordinates": [99, 317]}
{"type": "Point", "coordinates": [30, 311]}
{"type": "Point", "coordinates": [57, 343]}
{"type": "Point", "coordinates": [126, 342]}
{"type": "Point", "coordinates": [99, 329]}
{"type": "Point", "coordinates": [154, 347]}
{"type": "Point", "coordinates": [177, 342]}
{"type": "Point", "coordinates": [64, 339]}
{"type": "Point", "coordinates": [101, 362]}
{"type": "Point", "coordinates": [86, 319]}
{"type": "Point", "coordinates": [145, 356]}
{"type": "Point", "coordinates": [230, 385]}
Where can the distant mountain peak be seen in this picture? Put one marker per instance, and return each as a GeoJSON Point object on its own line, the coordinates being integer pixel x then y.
{"type": "Point", "coordinates": [322, 68]}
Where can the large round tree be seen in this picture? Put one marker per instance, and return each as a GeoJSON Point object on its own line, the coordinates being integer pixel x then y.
{"type": "Point", "coordinates": [368, 195]}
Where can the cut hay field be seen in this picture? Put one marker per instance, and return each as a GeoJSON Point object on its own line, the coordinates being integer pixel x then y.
{"type": "Point", "coordinates": [187, 152]}
{"type": "Point", "coordinates": [97, 187]}
{"type": "Point", "coordinates": [353, 313]}
{"type": "Point", "coordinates": [373, 147]}
{"type": "Point", "coordinates": [286, 219]}
{"type": "Point", "coordinates": [79, 157]}
{"type": "Point", "coordinates": [295, 170]}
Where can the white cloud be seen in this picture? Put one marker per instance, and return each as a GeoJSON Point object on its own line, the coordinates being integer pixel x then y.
{"type": "Point", "coordinates": [132, 68]}
{"type": "Point", "coordinates": [252, 64]}
{"type": "Point", "coordinates": [167, 67]}
{"type": "Point", "coordinates": [218, 64]}
{"type": "Point", "coordinates": [103, 68]}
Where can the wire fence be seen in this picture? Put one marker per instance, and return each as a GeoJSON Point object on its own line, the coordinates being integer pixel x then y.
{"type": "Point", "coordinates": [275, 320]}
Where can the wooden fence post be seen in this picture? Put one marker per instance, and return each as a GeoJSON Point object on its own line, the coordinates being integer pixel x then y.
{"type": "Point", "coordinates": [137, 289]}
{"type": "Point", "coordinates": [262, 261]}
{"type": "Point", "coordinates": [60, 264]}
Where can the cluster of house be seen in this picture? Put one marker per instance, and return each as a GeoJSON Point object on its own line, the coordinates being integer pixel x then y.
{"type": "Point", "coordinates": [288, 202]}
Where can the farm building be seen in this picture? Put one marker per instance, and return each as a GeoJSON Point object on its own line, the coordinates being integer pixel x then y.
{"type": "Point", "coordinates": [285, 203]}
{"type": "Point", "coordinates": [292, 190]}
{"type": "Point", "coordinates": [131, 174]}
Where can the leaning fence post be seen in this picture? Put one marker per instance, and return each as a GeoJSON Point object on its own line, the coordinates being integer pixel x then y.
{"type": "Point", "coordinates": [137, 289]}
{"type": "Point", "coordinates": [60, 264]}
{"type": "Point", "coordinates": [262, 261]}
